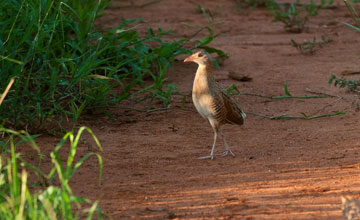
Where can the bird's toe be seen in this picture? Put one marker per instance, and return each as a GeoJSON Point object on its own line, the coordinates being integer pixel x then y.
{"type": "Point", "coordinates": [206, 157]}
{"type": "Point", "coordinates": [225, 153]}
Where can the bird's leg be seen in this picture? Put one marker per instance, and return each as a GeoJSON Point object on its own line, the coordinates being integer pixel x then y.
{"type": "Point", "coordinates": [215, 128]}
{"type": "Point", "coordinates": [211, 156]}
{"type": "Point", "coordinates": [227, 147]}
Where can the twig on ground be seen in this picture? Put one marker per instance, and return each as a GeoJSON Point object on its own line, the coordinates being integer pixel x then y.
{"type": "Point", "coordinates": [286, 96]}
{"type": "Point", "coordinates": [152, 110]}
{"type": "Point", "coordinates": [253, 94]}
{"type": "Point", "coordinates": [300, 97]}
{"type": "Point", "coordinates": [320, 93]}
{"type": "Point", "coordinates": [199, 29]}
{"type": "Point", "coordinates": [295, 117]}
{"type": "Point", "coordinates": [182, 94]}
{"type": "Point", "coordinates": [349, 73]}
{"type": "Point", "coordinates": [330, 104]}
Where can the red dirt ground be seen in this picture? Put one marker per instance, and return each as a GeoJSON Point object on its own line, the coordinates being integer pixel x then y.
{"type": "Point", "coordinates": [283, 169]}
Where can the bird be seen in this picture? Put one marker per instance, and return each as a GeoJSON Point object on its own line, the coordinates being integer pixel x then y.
{"type": "Point", "coordinates": [212, 101]}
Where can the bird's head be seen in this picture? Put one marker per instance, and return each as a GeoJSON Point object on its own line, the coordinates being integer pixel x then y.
{"type": "Point", "coordinates": [201, 58]}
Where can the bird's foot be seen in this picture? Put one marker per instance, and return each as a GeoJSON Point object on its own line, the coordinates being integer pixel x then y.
{"type": "Point", "coordinates": [225, 153]}
{"type": "Point", "coordinates": [207, 157]}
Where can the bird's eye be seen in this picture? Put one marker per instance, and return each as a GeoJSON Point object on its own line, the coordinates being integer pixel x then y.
{"type": "Point", "coordinates": [200, 55]}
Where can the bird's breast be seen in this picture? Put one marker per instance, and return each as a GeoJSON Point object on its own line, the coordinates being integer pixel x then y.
{"type": "Point", "coordinates": [202, 98]}
{"type": "Point", "coordinates": [203, 104]}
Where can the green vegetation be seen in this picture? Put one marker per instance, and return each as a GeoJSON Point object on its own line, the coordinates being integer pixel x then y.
{"type": "Point", "coordinates": [342, 82]}
{"type": "Point", "coordinates": [294, 15]}
{"type": "Point", "coordinates": [23, 198]}
{"type": "Point", "coordinates": [233, 90]}
{"type": "Point", "coordinates": [354, 14]}
{"type": "Point", "coordinates": [310, 46]}
{"type": "Point", "coordinates": [204, 42]}
{"type": "Point", "coordinates": [64, 65]}
{"type": "Point", "coordinates": [209, 15]}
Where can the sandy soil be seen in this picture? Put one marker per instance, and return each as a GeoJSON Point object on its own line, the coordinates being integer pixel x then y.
{"type": "Point", "coordinates": [283, 169]}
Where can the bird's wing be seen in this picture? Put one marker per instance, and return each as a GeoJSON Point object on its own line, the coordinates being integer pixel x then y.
{"type": "Point", "coordinates": [218, 107]}
{"type": "Point", "coordinates": [234, 113]}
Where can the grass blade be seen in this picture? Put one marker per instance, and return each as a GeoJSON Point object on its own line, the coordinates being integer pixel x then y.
{"type": "Point", "coordinates": [6, 90]}
{"type": "Point", "coordinates": [287, 93]}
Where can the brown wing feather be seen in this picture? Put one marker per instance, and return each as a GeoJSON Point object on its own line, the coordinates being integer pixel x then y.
{"type": "Point", "coordinates": [234, 113]}
{"type": "Point", "coordinates": [219, 107]}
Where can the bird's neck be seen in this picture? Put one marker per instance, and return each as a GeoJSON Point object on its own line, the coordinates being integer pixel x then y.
{"type": "Point", "coordinates": [205, 71]}
{"type": "Point", "coordinates": [204, 79]}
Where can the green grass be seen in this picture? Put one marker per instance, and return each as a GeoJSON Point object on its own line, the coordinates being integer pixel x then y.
{"type": "Point", "coordinates": [22, 198]}
{"type": "Point", "coordinates": [233, 90]}
{"type": "Point", "coordinates": [64, 65]}
{"type": "Point", "coordinates": [354, 14]}
{"type": "Point", "coordinates": [295, 16]}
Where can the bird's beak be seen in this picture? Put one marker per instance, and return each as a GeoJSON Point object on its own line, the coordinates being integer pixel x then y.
{"type": "Point", "coordinates": [189, 59]}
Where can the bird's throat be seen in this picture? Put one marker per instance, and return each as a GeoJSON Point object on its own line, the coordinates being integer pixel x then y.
{"type": "Point", "coordinates": [203, 80]}
{"type": "Point", "coordinates": [204, 70]}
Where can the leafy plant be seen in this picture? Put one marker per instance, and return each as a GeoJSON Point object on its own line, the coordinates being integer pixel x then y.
{"type": "Point", "coordinates": [350, 85]}
{"type": "Point", "coordinates": [233, 90]}
{"type": "Point", "coordinates": [310, 46]}
{"type": "Point", "coordinates": [204, 42]}
{"type": "Point", "coordinates": [294, 15]}
{"type": "Point", "coordinates": [18, 200]}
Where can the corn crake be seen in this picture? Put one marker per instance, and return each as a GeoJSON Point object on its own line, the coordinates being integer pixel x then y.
{"type": "Point", "coordinates": [212, 101]}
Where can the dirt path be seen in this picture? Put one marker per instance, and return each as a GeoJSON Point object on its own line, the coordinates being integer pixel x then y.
{"type": "Point", "coordinates": [283, 169]}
